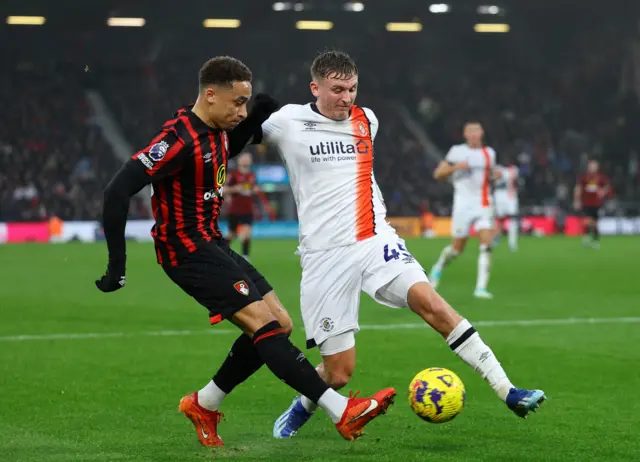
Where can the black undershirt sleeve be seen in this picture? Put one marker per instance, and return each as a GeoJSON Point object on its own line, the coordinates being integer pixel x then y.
{"type": "Point", "coordinates": [129, 180]}
{"type": "Point", "coordinates": [249, 130]}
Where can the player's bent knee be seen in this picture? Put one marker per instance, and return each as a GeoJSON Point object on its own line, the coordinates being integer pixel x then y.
{"type": "Point", "coordinates": [279, 312]}
{"type": "Point", "coordinates": [339, 378]}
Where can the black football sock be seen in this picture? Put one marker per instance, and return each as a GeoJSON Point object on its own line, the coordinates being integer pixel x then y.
{"type": "Point", "coordinates": [287, 362]}
{"type": "Point", "coordinates": [246, 244]}
{"type": "Point", "coordinates": [595, 232]}
{"type": "Point", "coordinates": [587, 230]}
{"type": "Point", "coordinates": [241, 363]}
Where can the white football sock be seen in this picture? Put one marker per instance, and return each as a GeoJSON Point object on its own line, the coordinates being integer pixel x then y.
{"type": "Point", "coordinates": [446, 256]}
{"type": "Point", "coordinates": [211, 396]}
{"type": "Point", "coordinates": [513, 233]}
{"type": "Point", "coordinates": [467, 344]}
{"type": "Point", "coordinates": [484, 266]}
{"type": "Point", "coordinates": [308, 405]}
{"type": "Point", "coordinates": [334, 404]}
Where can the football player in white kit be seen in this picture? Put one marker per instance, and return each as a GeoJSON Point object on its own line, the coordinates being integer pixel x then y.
{"type": "Point", "coordinates": [506, 197]}
{"type": "Point", "coordinates": [346, 244]}
{"type": "Point", "coordinates": [471, 168]}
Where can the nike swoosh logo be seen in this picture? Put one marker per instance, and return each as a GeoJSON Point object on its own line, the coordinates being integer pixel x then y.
{"type": "Point", "coordinates": [372, 406]}
{"type": "Point", "coordinates": [205, 434]}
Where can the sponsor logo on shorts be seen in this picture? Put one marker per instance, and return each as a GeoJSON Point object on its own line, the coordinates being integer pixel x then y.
{"type": "Point", "coordinates": [242, 287]}
{"type": "Point", "coordinates": [326, 324]}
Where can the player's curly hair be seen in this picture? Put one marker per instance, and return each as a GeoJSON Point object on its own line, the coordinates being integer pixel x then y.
{"type": "Point", "coordinates": [336, 63]}
{"type": "Point", "coordinates": [223, 70]}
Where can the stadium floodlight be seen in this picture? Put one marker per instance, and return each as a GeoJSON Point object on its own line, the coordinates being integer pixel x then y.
{"type": "Point", "coordinates": [404, 26]}
{"type": "Point", "coordinates": [126, 22]}
{"type": "Point", "coordinates": [492, 28]}
{"type": "Point", "coordinates": [354, 6]}
{"type": "Point", "coordinates": [314, 25]}
{"type": "Point", "coordinates": [221, 23]}
{"type": "Point", "coordinates": [437, 8]}
{"type": "Point", "coordinates": [298, 7]}
{"type": "Point", "coordinates": [489, 9]}
{"type": "Point", "coordinates": [281, 6]}
{"type": "Point", "coordinates": [26, 20]}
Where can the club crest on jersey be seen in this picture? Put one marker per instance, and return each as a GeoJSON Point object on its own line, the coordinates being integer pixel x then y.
{"type": "Point", "coordinates": [362, 129]}
{"type": "Point", "coordinates": [158, 150]}
{"type": "Point", "coordinates": [221, 176]}
{"type": "Point", "coordinates": [242, 288]}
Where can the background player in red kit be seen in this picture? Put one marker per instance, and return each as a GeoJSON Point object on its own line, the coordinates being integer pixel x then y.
{"type": "Point", "coordinates": [590, 191]}
{"type": "Point", "coordinates": [241, 187]}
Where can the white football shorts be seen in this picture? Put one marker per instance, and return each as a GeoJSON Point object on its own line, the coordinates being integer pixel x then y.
{"type": "Point", "coordinates": [465, 215]}
{"type": "Point", "coordinates": [506, 206]}
{"type": "Point", "coordinates": [333, 279]}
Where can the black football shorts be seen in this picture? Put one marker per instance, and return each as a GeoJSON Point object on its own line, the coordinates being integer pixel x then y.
{"type": "Point", "coordinates": [235, 221]}
{"type": "Point", "coordinates": [219, 279]}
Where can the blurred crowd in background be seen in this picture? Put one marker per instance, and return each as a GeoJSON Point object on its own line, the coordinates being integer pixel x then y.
{"type": "Point", "coordinates": [546, 105]}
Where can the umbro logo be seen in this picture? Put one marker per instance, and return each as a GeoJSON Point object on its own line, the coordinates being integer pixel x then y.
{"type": "Point", "coordinates": [207, 157]}
{"type": "Point", "coordinates": [122, 281]}
{"type": "Point", "coordinates": [309, 126]}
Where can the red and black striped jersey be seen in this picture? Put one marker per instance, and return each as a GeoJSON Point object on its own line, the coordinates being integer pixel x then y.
{"type": "Point", "coordinates": [187, 162]}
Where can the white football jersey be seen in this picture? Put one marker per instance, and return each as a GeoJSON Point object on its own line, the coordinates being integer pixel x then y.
{"type": "Point", "coordinates": [330, 165]}
{"type": "Point", "coordinates": [507, 185]}
{"type": "Point", "coordinates": [472, 186]}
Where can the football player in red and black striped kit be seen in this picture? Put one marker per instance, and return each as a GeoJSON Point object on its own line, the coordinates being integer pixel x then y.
{"type": "Point", "coordinates": [591, 190]}
{"type": "Point", "coordinates": [242, 187]}
{"type": "Point", "coordinates": [186, 165]}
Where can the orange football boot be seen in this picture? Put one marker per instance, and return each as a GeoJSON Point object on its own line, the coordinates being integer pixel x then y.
{"type": "Point", "coordinates": [360, 411]}
{"type": "Point", "coordinates": [205, 421]}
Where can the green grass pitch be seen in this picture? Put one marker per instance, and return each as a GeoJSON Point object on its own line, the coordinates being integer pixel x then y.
{"type": "Point", "coordinates": [114, 396]}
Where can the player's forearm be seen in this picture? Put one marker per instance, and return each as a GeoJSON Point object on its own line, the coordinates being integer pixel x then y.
{"type": "Point", "coordinates": [247, 130]}
{"type": "Point", "coordinates": [117, 196]}
{"type": "Point", "coordinates": [250, 129]}
{"type": "Point", "coordinates": [443, 171]}
{"type": "Point", "coordinates": [577, 193]}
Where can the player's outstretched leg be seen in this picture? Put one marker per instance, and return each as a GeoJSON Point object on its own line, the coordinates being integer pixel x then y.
{"type": "Point", "coordinates": [465, 342]}
{"type": "Point", "coordinates": [448, 254]}
{"type": "Point", "coordinates": [290, 365]}
{"type": "Point", "coordinates": [242, 361]}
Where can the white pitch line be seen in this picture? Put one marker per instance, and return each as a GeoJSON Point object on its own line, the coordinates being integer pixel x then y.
{"type": "Point", "coordinates": [215, 331]}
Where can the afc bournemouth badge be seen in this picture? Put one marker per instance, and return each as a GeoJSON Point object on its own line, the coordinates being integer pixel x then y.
{"type": "Point", "coordinates": [242, 287]}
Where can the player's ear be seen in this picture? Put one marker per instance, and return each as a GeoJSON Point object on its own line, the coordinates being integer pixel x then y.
{"type": "Point", "coordinates": [314, 88]}
{"type": "Point", "coordinates": [210, 95]}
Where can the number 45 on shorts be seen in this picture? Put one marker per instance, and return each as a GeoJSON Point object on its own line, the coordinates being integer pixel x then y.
{"type": "Point", "coordinates": [390, 253]}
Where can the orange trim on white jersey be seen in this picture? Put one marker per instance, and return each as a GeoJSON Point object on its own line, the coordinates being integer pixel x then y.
{"type": "Point", "coordinates": [365, 218]}
{"type": "Point", "coordinates": [487, 177]}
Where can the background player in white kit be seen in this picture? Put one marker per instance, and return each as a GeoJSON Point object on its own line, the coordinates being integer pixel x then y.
{"type": "Point", "coordinates": [346, 244]}
{"type": "Point", "coordinates": [506, 197]}
{"type": "Point", "coordinates": [471, 168]}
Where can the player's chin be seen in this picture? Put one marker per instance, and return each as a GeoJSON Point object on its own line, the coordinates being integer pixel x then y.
{"type": "Point", "coordinates": [342, 114]}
